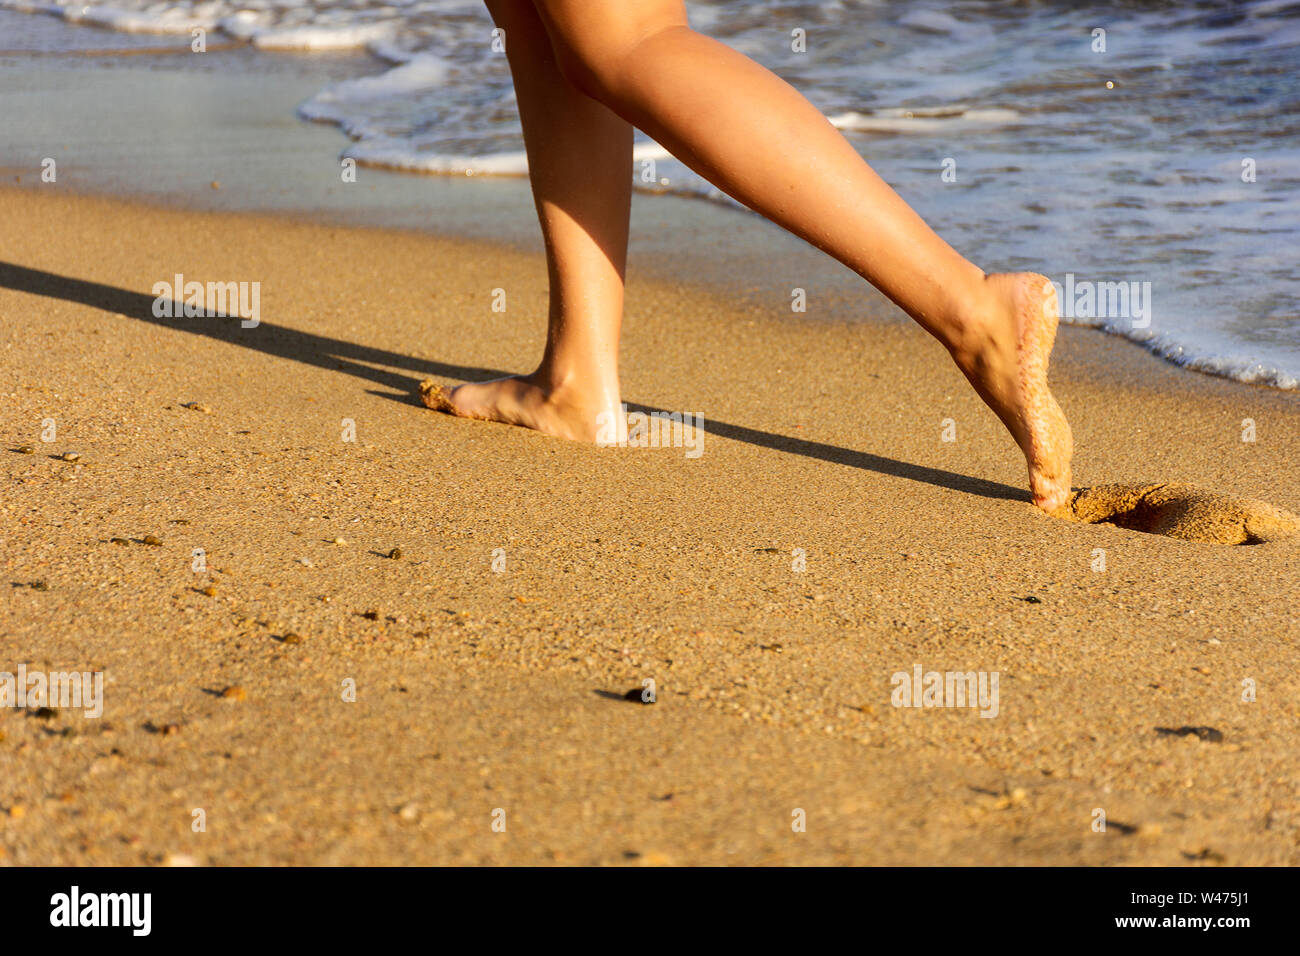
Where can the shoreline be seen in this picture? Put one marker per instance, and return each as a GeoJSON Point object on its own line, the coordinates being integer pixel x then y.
{"type": "Point", "coordinates": [848, 301]}
{"type": "Point", "coordinates": [484, 688]}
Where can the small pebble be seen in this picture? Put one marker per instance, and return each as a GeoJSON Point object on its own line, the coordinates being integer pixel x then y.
{"type": "Point", "coordinates": [39, 586]}
{"type": "Point", "coordinates": [234, 692]}
{"type": "Point", "coordinates": [371, 615]}
{"type": "Point", "coordinates": [395, 553]}
{"type": "Point", "coordinates": [210, 591]}
{"type": "Point", "coordinates": [26, 450]}
{"type": "Point", "coordinates": [1209, 734]}
{"type": "Point", "coordinates": [70, 456]}
{"type": "Point", "coordinates": [17, 811]}
{"type": "Point", "coordinates": [197, 407]}
{"type": "Point", "coordinates": [338, 541]}
{"type": "Point", "coordinates": [123, 541]}
{"type": "Point", "coordinates": [152, 540]}
{"type": "Point", "coordinates": [291, 638]}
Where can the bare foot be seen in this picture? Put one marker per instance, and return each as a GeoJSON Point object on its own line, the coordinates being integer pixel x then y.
{"type": "Point", "coordinates": [1005, 357]}
{"type": "Point", "coordinates": [519, 400]}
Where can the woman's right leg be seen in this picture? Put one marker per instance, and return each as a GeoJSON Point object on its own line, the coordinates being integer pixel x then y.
{"type": "Point", "coordinates": [580, 169]}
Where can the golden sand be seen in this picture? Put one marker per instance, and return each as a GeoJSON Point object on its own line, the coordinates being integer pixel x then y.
{"type": "Point", "coordinates": [827, 540]}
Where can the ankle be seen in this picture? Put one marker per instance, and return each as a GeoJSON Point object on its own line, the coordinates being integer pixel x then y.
{"type": "Point", "coordinates": [570, 388]}
{"type": "Point", "coordinates": [977, 324]}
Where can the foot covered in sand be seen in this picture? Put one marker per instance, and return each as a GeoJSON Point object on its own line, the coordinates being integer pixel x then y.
{"type": "Point", "coordinates": [520, 400]}
{"type": "Point", "coordinates": [1004, 355]}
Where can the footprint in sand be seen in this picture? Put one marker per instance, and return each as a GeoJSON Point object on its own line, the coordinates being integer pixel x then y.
{"type": "Point", "coordinates": [1181, 511]}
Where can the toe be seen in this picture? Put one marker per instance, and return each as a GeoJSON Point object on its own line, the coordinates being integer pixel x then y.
{"type": "Point", "coordinates": [437, 397]}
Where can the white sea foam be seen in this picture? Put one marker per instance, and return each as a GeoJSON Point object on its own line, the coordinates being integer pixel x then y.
{"type": "Point", "coordinates": [922, 120]}
{"type": "Point", "coordinates": [172, 20]}
{"type": "Point", "coordinates": [396, 155]}
{"type": "Point", "coordinates": [318, 37]}
{"type": "Point", "coordinates": [420, 73]}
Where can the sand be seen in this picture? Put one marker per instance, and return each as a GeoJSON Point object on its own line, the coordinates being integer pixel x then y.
{"type": "Point", "coordinates": [489, 696]}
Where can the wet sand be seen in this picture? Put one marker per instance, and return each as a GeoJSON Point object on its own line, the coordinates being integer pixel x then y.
{"type": "Point", "coordinates": [478, 690]}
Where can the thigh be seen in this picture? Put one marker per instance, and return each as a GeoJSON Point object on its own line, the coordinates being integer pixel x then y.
{"type": "Point", "coordinates": [596, 32]}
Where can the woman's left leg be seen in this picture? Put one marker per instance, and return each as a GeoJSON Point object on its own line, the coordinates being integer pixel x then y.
{"type": "Point", "coordinates": [580, 168]}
